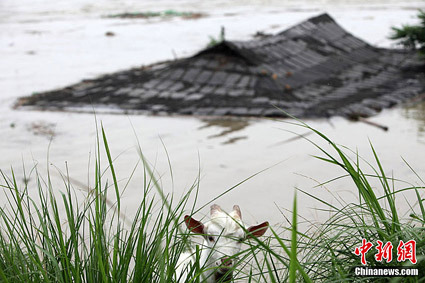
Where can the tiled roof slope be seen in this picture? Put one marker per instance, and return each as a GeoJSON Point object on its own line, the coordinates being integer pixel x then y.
{"type": "Point", "coordinates": [314, 69]}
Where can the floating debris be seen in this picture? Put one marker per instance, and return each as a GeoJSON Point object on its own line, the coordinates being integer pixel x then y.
{"type": "Point", "coordinates": [314, 69]}
{"type": "Point", "coordinates": [150, 14]}
{"type": "Point", "coordinates": [260, 34]}
{"type": "Point", "coordinates": [40, 128]}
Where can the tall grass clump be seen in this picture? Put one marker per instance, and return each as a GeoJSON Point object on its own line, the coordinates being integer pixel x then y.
{"type": "Point", "coordinates": [49, 234]}
{"type": "Point", "coordinates": [328, 249]}
{"type": "Point", "coordinates": [56, 237]}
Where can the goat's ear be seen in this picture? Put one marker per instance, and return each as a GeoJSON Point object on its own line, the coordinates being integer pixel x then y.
{"type": "Point", "coordinates": [237, 212]}
{"type": "Point", "coordinates": [257, 230]}
{"type": "Point", "coordinates": [193, 225]}
{"type": "Point", "coordinates": [215, 209]}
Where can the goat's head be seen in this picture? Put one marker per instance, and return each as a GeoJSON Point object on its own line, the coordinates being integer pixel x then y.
{"type": "Point", "coordinates": [224, 235]}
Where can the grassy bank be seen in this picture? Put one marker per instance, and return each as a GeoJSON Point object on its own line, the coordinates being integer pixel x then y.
{"type": "Point", "coordinates": [55, 237]}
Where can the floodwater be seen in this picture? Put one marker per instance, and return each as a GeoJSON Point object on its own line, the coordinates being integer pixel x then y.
{"type": "Point", "coordinates": [47, 44]}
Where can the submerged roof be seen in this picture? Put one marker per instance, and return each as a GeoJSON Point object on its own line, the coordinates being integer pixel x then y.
{"type": "Point", "coordinates": [314, 69]}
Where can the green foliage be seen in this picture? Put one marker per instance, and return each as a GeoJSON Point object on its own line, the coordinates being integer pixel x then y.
{"type": "Point", "coordinates": [215, 41]}
{"type": "Point", "coordinates": [53, 236]}
{"type": "Point", "coordinates": [329, 249]}
{"type": "Point", "coordinates": [46, 238]}
{"type": "Point", "coordinates": [412, 36]}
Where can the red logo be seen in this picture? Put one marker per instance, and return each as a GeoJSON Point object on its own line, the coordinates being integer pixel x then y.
{"type": "Point", "coordinates": [384, 252]}
{"type": "Point", "coordinates": [405, 251]}
{"type": "Point", "coordinates": [366, 246]}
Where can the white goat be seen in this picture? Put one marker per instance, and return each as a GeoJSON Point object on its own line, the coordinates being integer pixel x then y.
{"type": "Point", "coordinates": [223, 237]}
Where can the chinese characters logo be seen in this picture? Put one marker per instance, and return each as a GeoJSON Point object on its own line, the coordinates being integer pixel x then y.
{"type": "Point", "coordinates": [405, 251]}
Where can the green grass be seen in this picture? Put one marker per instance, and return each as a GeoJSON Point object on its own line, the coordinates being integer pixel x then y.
{"type": "Point", "coordinates": [329, 249]}
{"type": "Point", "coordinates": [55, 236]}
{"type": "Point", "coordinates": [216, 41]}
